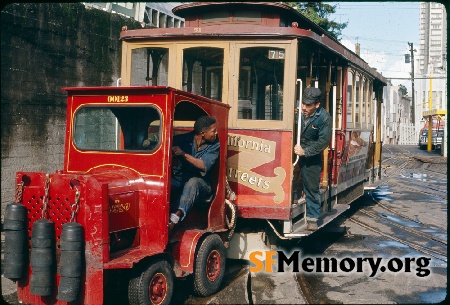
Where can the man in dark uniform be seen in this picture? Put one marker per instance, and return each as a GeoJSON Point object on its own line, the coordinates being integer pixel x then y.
{"type": "Point", "coordinates": [315, 137]}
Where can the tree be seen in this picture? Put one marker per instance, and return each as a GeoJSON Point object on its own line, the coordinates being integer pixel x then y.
{"type": "Point", "coordinates": [318, 13]}
{"type": "Point", "coordinates": [403, 89]}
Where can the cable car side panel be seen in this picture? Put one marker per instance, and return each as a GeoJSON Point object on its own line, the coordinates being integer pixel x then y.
{"type": "Point", "coordinates": [260, 173]}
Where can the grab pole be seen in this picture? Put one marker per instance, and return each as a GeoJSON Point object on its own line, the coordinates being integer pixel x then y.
{"type": "Point", "coordinates": [299, 120]}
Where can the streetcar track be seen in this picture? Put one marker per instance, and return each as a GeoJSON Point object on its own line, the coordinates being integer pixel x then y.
{"type": "Point", "coordinates": [304, 288]}
{"type": "Point", "coordinates": [436, 254]}
{"type": "Point", "coordinates": [393, 226]}
{"type": "Point", "coordinates": [395, 212]}
{"type": "Point", "coordinates": [436, 172]}
{"type": "Point", "coordinates": [437, 192]}
{"type": "Point", "coordinates": [400, 168]}
{"type": "Point", "coordinates": [394, 167]}
{"type": "Point", "coordinates": [416, 232]}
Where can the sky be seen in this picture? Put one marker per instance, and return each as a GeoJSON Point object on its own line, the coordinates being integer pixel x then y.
{"type": "Point", "coordinates": [383, 30]}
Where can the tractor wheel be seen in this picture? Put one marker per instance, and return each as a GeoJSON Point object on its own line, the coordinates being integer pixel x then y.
{"type": "Point", "coordinates": [154, 286]}
{"type": "Point", "coordinates": [209, 266]}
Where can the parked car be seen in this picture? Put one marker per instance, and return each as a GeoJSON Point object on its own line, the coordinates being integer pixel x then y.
{"type": "Point", "coordinates": [436, 138]}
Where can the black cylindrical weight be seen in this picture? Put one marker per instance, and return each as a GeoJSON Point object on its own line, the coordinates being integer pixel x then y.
{"type": "Point", "coordinates": [43, 258]}
{"type": "Point", "coordinates": [71, 261]}
{"type": "Point", "coordinates": [43, 234]}
{"type": "Point", "coordinates": [42, 283]}
{"type": "Point", "coordinates": [16, 241]}
{"type": "Point", "coordinates": [72, 237]}
{"type": "Point", "coordinates": [15, 265]}
{"type": "Point", "coordinates": [69, 288]}
{"type": "Point", "coordinates": [72, 231]}
{"type": "Point", "coordinates": [15, 217]}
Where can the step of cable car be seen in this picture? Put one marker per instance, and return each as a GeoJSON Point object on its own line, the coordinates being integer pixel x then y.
{"type": "Point", "coordinates": [300, 230]}
{"type": "Point", "coordinates": [298, 214]}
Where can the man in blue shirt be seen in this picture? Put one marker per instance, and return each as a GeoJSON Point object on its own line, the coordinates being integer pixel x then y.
{"type": "Point", "coordinates": [315, 137]}
{"type": "Point", "coordinates": [194, 155]}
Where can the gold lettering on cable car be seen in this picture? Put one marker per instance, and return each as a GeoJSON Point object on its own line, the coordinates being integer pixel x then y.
{"type": "Point", "coordinates": [118, 207]}
{"type": "Point", "coordinates": [118, 99]}
{"type": "Point", "coordinates": [254, 152]}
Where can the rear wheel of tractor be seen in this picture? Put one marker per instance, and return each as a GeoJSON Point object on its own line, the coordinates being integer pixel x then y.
{"type": "Point", "coordinates": [154, 286]}
{"type": "Point", "coordinates": [209, 266]}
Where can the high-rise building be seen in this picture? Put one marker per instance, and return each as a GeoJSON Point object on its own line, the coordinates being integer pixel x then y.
{"type": "Point", "coordinates": [431, 75]}
{"type": "Point", "coordinates": [433, 38]}
{"type": "Point", "coordinates": [431, 61]}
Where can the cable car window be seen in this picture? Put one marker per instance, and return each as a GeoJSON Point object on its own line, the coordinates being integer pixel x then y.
{"type": "Point", "coordinates": [149, 67]}
{"type": "Point", "coordinates": [117, 128]}
{"type": "Point", "coordinates": [261, 78]}
{"type": "Point", "coordinates": [357, 100]}
{"type": "Point", "coordinates": [249, 16]}
{"type": "Point", "coordinates": [369, 103]}
{"type": "Point", "coordinates": [219, 16]}
{"type": "Point", "coordinates": [350, 98]}
{"type": "Point", "coordinates": [338, 116]}
{"type": "Point", "coordinates": [203, 71]}
{"type": "Point", "coordinates": [364, 102]}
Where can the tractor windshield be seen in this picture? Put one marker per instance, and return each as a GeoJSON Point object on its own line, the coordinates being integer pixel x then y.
{"type": "Point", "coordinates": [109, 128]}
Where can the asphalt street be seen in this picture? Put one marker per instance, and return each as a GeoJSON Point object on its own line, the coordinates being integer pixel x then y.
{"type": "Point", "coordinates": [402, 224]}
{"type": "Point", "coordinates": [386, 224]}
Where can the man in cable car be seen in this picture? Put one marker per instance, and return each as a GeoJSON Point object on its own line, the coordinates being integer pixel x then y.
{"type": "Point", "coordinates": [315, 137]}
{"type": "Point", "coordinates": [195, 154]}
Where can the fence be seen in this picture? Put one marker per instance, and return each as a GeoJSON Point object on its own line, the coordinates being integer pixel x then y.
{"type": "Point", "coordinates": [407, 134]}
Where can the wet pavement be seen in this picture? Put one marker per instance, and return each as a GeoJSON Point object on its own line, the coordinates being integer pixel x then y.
{"type": "Point", "coordinates": [410, 199]}
{"type": "Point", "coordinates": [412, 195]}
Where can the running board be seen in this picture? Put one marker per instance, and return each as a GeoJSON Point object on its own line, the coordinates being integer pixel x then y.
{"type": "Point", "coordinates": [298, 213]}
{"type": "Point", "coordinates": [324, 219]}
{"type": "Point", "coordinates": [369, 188]}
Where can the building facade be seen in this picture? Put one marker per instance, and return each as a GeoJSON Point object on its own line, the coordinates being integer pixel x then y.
{"type": "Point", "coordinates": [431, 75]}
{"type": "Point", "coordinates": [398, 127]}
{"type": "Point", "coordinates": [433, 38]}
{"type": "Point", "coordinates": [149, 14]}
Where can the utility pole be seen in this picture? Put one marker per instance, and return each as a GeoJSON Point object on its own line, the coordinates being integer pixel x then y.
{"type": "Point", "coordinates": [413, 112]}
{"type": "Point", "coordinates": [430, 118]}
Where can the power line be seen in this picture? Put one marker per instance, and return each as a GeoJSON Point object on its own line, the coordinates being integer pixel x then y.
{"type": "Point", "coordinates": [409, 78]}
{"type": "Point", "coordinates": [351, 8]}
{"type": "Point", "coordinates": [376, 40]}
{"type": "Point", "coordinates": [390, 5]}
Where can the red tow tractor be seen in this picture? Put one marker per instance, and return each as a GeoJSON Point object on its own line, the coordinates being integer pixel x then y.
{"type": "Point", "coordinates": [108, 209]}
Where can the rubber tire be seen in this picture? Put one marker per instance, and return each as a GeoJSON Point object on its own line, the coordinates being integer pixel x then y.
{"type": "Point", "coordinates": [138, 287]}
{"type": "Point", "coordinates": [203, 286]}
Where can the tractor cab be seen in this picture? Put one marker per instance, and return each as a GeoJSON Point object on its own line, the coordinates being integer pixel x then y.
{"type": "Point", "coordinates": [131, 130]}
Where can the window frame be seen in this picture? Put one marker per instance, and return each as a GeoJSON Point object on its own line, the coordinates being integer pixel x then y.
{"type": "Point", "coordinates": [289, 84]}
{"type": "Point", "coordinates": [119, 137]}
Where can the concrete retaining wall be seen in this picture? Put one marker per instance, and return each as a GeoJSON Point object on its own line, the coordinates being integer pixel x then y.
{"type": "Point", "coordinates": [45, 47]}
